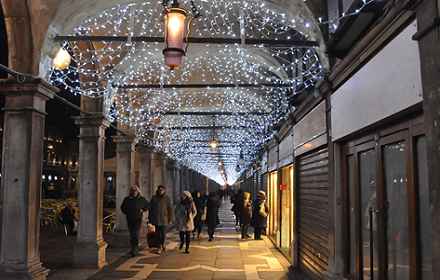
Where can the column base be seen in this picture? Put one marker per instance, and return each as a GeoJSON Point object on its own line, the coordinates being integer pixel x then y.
{"type": "Point", "coordinates": [90, 254]}
{"type": "Point", "coordinates": [34, 271]}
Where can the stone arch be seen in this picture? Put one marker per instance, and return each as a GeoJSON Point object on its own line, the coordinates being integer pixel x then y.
{"type": "Point", "coordinates": [71, 13]}
{"type": "Point", "coordinates": [26, 27]}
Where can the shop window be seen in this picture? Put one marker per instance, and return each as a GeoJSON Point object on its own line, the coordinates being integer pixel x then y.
{"type": "Point", "coordinates": [273, 198]}
{"type": "Point", "coordinates": [367, 179]}
{"type": "Point", "coordinates": [287, 210]}
{"type": "Point", "coordinates": [397, 216]}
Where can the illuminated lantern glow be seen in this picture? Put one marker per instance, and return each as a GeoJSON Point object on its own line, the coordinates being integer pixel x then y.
{"type": "Point", "coordinates": [62, 60]}
{"type": "Point", "coordinates": [176, 30]}
{"type": "Point", "coordinates": [214, 143]}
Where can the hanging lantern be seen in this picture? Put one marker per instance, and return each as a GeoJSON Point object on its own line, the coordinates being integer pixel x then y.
{"type": "Point", "coordinates": [177, 23]}
{"type": "Point", "coordinates": [62, 60]}
{"type": "Point", "coordinates": [214, 144]}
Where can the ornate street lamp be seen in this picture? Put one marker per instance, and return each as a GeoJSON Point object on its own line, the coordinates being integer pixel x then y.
{"type": "Point", "coordinates": [177, 26]}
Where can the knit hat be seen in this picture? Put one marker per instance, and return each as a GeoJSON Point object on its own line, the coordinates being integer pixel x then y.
{"type": "Point", "coordinates": [187, 194]}
{"type": "Point", "coordinates": [261, 195]}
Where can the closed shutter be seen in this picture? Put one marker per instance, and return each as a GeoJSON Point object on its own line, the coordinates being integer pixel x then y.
{"type": "Point", "coordinates": [313, 214]}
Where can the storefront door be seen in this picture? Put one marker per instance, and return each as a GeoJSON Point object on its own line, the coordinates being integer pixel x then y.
{"type": "Point", "coordinates": [384, 175]}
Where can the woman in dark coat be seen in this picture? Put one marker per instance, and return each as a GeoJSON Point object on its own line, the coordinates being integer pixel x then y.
{"type": "Point", "coordinates": [212, 205]}
{"type": "Point", "coordinates": [246, 215]}
{"type": "Point", "coordinates": [259, 215]}
{"type": "Point", "coordinates": [200, 202]}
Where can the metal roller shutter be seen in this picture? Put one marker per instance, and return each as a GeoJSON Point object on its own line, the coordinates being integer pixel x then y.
{"type": "Point", "coordinates": [313, 218]}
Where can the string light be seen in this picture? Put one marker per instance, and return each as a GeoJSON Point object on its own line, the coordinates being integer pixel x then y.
{"type": "Point", "coordinates": [105, 68]}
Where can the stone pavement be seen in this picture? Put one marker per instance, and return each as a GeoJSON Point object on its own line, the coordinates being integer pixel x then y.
{"type": "Point", "coordinates": [226, 258]}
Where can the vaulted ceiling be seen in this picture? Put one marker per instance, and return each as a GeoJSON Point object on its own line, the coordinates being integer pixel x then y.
{"type": "Point", "coordinates": [234, 89]}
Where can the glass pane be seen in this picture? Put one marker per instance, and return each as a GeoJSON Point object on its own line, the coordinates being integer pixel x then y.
{"type": "Point", "coordinates": [424, 210]}
{"type": "Point", "coordinates": [273, 200]}
{"type": "Point", "coordinates": [367, 181]}
{"type": "Point", "coordinates": [286, 210]}
{"type": "Point", "coordinates": [397, 216]}
{"type": "Point", "coordinates": [351, 200]}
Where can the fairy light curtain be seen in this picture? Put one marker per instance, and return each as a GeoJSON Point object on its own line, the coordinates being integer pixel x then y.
{"type": "Point", "coordinates": [119, 71]}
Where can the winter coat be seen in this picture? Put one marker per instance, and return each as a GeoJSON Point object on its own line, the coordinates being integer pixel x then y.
{"type": "Point", "coordinates": [212, 206]}
{"type": "Point", "coordinates": [68, 215]}
{"type": "Point", "coordinates": [184, 220]}
{"type": "Point", "coordinates": [133, 208]}
{"type": "Point", "coordinates": [259, 220]}
{"type": "Point", "coordinates": [161, 211]}
{"type": "Point", "coordinates": [200, 203]}
{"type": "Point", "coordinates": [246, 210]}
{"type": "Point", "coordinates": [237, 203]}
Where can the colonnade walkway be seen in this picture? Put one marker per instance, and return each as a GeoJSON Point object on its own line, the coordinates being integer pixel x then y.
{"type": "Point", "coordinates": [226, 258]}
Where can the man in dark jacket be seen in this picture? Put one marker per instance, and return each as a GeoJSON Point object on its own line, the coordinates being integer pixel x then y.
{"type": "Point", "coordinates": [161, 214]}
{"type": "Point", "coordinates": [133, 207]}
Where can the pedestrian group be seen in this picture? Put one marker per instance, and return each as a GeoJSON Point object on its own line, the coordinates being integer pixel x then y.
{"type": "Point", "coordinates": [190, 213]}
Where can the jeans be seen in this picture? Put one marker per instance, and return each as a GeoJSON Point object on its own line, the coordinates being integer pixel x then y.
{"type": "Point", "coordinates": [134, 229]}
{"type": "Point", "coordinates": [161, 232]}
{"type": "Point", "coordinates": [198, 228]}
{"type": "Point", "coordinates": [244, 230]}
{"type": "Point", "coordinates": [185, 238]}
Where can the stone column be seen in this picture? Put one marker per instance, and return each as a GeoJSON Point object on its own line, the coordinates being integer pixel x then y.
{"type": "Point", "coordinates": [156, 170]}
{"type": "Point", "coordinates": [90, 248]}
{"type": "Point", "coordinates": [428, 13]}
{"type": "Point", "coordinates": [25, 112]}
{"type": "Point", "coordinates": [177, 179]}
{"type": "Point", "coordinates": [144, 155]}
{"type": "Point", "coordinates": [168, 177]}
{"type": "Point", "coordinates": [124, 175]}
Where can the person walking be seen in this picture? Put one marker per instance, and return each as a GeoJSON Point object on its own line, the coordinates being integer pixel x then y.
{"type": "Point", "coordinates": [237, 200]}
{"type": "Point", "coordinates": [246, 215]}
{"type": "Point", "coordinates": [259, 215]}
{"type": "Point", "coordinates": [185, 212]}
{"type": "Point", "coordinates": [200, 202]}
{"type": "Point", "coordinates": [212, 206]}
{"type": "Point", "coordinates": [133, 207]}
{"type": "Point", "coordinates": [161, 214]}
{"type": "Point", "coordinates": [68, 218]}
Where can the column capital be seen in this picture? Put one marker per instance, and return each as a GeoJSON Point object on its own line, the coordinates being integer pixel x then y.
{"type": "Point", "coordinates": [124, 143]}
{"type": "Point", "coordinates": [144, 148]}
{"type": "Point", "coordinates": [92, 120]}
{"type": "Point", "coordinates": [31, 95]}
